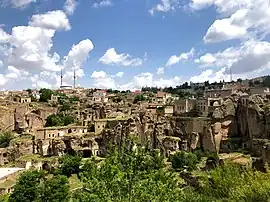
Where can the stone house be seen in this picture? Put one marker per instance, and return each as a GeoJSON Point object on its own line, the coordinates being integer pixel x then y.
{"type": "Point", "coordinates": [100, 96]}
{"type": "Point", "coordinates": [54, 99]}
{"type": "Point", "coordinates": [54, 132]}
{"type": "Point", "coordinates": [3, 156]}
{"type": "Point", "coordinates": [162, 97]}
{"type": "Point", "coordinates": [202, 104]}
{"type": "Point", "coordinates": [169, 110]}
{"type": "Point", "coordinates": [184, 105]}
{"type": "Point", "coordinates": [216, 93]}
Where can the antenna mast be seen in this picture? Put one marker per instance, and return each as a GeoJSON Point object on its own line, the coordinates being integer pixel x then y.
{"type": "Point", "coordinates": [231, 73]}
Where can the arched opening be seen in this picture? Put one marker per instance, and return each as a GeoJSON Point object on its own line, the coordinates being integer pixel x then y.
{"type": "Point", "coordinates": [87, 153]}
{"type": "Point", "coordinates": [69, 130]}
{"type": "Point", "coordinates": [45, 166]}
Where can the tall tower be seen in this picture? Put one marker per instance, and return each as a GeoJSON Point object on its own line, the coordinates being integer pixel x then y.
{"type": "Point", "coordinates": [231, 73]}
{"type": "Point", "coordinates": [74, 85]}
{"type": "Point", "coordinates": [61, 77]}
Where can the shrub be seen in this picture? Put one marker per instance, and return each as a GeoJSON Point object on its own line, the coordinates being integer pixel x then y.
{"type": "Point", "coordinates": [184, 160]}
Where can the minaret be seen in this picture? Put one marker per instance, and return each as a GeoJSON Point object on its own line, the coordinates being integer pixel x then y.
{"type": "Point", "coordinates": [61, 78]}
{"type": "Point", "coordinates": [74, 85]}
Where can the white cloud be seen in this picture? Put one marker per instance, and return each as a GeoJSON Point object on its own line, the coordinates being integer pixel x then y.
{"type": "Point", "coordinates": [1, 63]}
{"type": "Point", "coordinates": [251, 56]}
{"type": "Point", "coordinates": [56, 20]}
{"type": "Point", "coordinates": [78, 54]}
{"type": "Point", "coordinates": [243, 19]}
{"type": "Point", "coordinates": [147, 79]}
{"type": "Point", "coordinates": [164, 6]}
{"type": "Point", "coordinates": [3, 80]}
{"type": "Point", "coordinates": [112, 57]}
{"type": "Point", "coordinates": [211, 76]}
{"type": "Point", "coordinates": [30, 47]}
{"type": "Point", "coordinates": [99, 75]}
{"type": "Point", "coordinates": [103, 80]}
{"type": "Point", "coordinates": [70, 6]}
{"type": "Point", "coordinates": [3, 36]}
{"type": "Point", "coordinates": [102, 3]}
{"type": "Point", "coordinates": [119, 74]}
{"type": "Point", "coordinates": [206, 59]}
{"type": "Point", "coordinates": [183, 56]}
{"type": "Point", "coordinates": [160, 70]}
{"type": "Point", "coordinates": [19, 3]}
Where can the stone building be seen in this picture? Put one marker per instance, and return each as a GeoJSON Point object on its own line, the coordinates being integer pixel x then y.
{"type": "Point", "coordinates": [184, 105]}
{"type": "Point", "coordinates": [54, 132]}
{"type": "Point", "coordinates": [216, 93]}
{"type": "Point", "coordinates": [3, 156]}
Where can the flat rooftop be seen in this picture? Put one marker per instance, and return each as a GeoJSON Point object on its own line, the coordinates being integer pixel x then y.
{"type": "Point", "coordinates": [4, 172]}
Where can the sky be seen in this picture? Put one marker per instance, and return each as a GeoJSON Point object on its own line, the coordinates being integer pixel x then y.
{"type": "Point", "coordinates": [129, 44]}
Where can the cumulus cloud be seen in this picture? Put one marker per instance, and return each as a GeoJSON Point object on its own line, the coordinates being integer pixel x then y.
{"type": "Point", "coordinates": [30, 49]}
{"type": "Point", "coordinates": [160, 70]}
{"type": "Point", "coordinates": [119, 74]}
{"type": "Point", "coordinates": [70, 6]}
{"type": "Point", "coordinates": [111, 57]}
{"type": "Point", "coordinates": [56, 20]}
{"type": "Point", "coordinates": [164, 6]}
{"type": "Point", "coordinates": [3, 36]}
{"type": "Point", "coordinates": [103, 80]}
{"type": "Point", "coordinates": [19, 3]}
{"type": "Point", "coordinates": [241, 19]}
{"type": "Point", "coordinates": [183, 56]}
{"type": "Point", "coordinates": [78, 54]}
{"type": "Point", "coordinates": [147, 79]}
{"type": "Point", "coordinates": [250, 56]}
{"type": "Point", "coordinates": [102, 3]}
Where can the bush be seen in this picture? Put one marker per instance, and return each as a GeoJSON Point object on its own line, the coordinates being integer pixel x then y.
{"type": "Point", "coordinates": [184, 160]}
{"type": "Point", "coordinates": [5, 139]}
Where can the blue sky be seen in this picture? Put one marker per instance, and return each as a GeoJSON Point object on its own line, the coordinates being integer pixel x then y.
{"type": "Point", "coordinates": [127, 44]}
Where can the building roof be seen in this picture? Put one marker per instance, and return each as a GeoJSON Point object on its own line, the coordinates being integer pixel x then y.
{"type": "Point", "coordinates": [161, 94]}
{"type": "Point", "coordinates": [4, 172]}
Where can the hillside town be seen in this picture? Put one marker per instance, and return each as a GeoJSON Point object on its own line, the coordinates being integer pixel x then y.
{"type": "Point", "coordinates": [45, 124]}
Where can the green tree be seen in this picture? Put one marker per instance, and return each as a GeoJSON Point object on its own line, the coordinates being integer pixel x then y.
{"type": "Point", "coordinates": [68, 120]}
{"type": "Point", "coordinates": [54, 189]}
{"type": "Point", "coordinates": [138, 98]}
{"type": "Point", "coordinates": [54, 120]}
{"type": "Point", "coordinates": [69, 165]}
{"type": "Point", "coordinates": [5, 139]}
{"type": "Point", "coordinates": [45, 94]}
{"type": "Point", "coordinates": [27, 187]}
{"type": "Point", "coordinates": [195, 112]}
{"type": "Point", "coordinates": [184, 160]}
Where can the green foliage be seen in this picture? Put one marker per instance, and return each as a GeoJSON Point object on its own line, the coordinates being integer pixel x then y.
{"type": "Point", "coordinates": [59, 120]}
{"type": "Point", "coordinates": [69, 165]}
{"type": "Point", "coordinates": [128, 176]}
{"type": "Point", "coordinates": [195, 112]}
{"type": "Point", "coordinates": [45, 94]}
{"type": "Point", "coordinates": [54, 189]}
{"type": "Point", "coordinates": [138, 98]}
{"type": "Point", "coordinates": [35, 186]}
{"type": "Point", "coordinates": [65, 107]}
{"type": "Point", "coordinates": [74, 99]}
{"type": "Point", "coordinates": [266, 81]}
{"type": "Point", "coordinates": [5, 139]}
{"type": "Point", "coordinates": [233, 183]}
{"type": "Point", "coordinates": [184, 160]}
{"type": "Point", "coordinates": [26, 189]}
